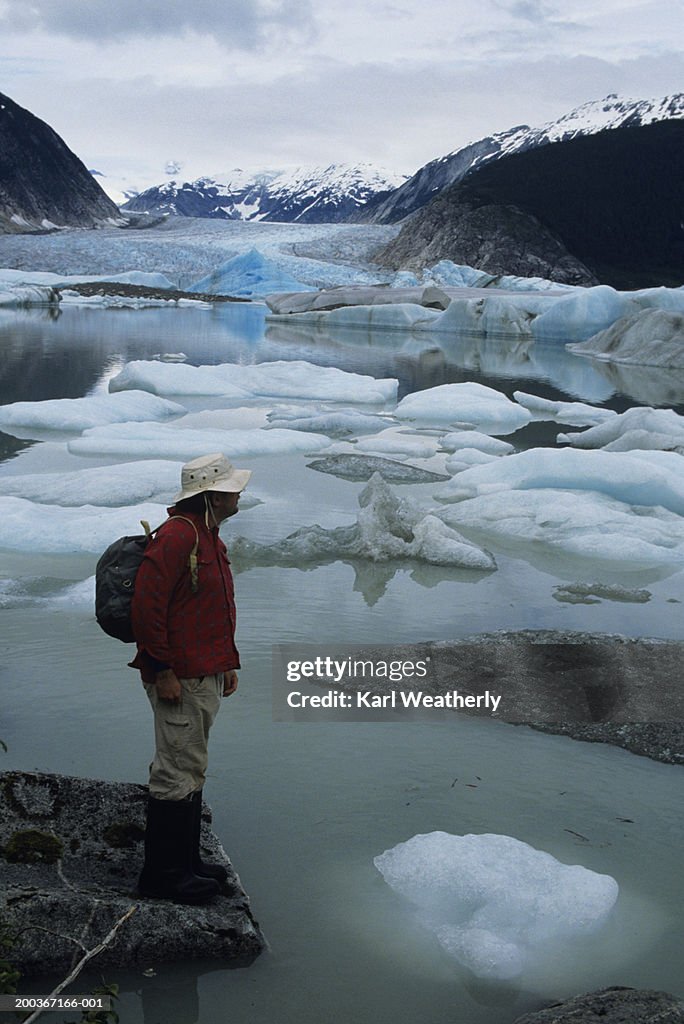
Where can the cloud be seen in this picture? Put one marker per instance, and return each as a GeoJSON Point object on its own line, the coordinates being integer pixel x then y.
{"type": "Point", "coordinates": [241, 23]}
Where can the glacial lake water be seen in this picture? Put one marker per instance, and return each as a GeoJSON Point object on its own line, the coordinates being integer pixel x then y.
{"type": "Point", "coordinates": [303, 808]}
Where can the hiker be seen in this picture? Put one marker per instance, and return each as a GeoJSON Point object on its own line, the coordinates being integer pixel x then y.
{"type": "Point", "coordinates": [183, 616]}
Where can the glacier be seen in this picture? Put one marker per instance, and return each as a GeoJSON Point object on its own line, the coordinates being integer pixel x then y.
{"type": "Point", "coordinates": [495, 903]}
{"type": "Point", "coordinates": [249, 274]}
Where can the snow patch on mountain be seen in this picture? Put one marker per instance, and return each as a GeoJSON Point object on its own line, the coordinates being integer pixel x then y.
{"type": "Point", "coordinates": [306, 195]}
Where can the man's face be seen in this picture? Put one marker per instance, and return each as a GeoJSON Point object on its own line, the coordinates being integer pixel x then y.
{"type": "Point", "coordinates": [224, 504]}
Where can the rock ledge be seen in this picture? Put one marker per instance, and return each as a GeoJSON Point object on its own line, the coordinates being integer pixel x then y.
{"type": "Point", "coordinates": [70, 853]}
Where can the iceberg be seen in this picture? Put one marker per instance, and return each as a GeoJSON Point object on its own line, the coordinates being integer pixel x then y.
{"type": "Point", "coordinates": [576, 414]}
{"type": "Point", "coordinates": [147, 440]}
{"type": "Point", "coordinates": [638, 428]}
{"type": "Point", "coordinates": [388, 527]}
{"type": "Point", "coordinates": [362, 467]}
{"type": "Point", "coordinates": [576, 523]}
{"type": "Point", "coordinates": [125, 484]}
{"type": "Point", "coordinates": [323, 420]}
{"type": "Point", "coordinates": [403, 446]}
{"type": "Point", "coordinates": [464, 404]}
{"type": "Point", "coordinates": [632, 478]}
{"type": "Point", "coordinates": [582, 314]}
{"type": "Point", "coordinates": [457, 439]}
{"type": "Point", "coordinates": [249, 275]}
{"type": "Point", "coordinates": [281, 379]}
{"type": "Point", "coordinates": [25, 526]}
{"type": "Point", "coordinates": [466, 457]}
{"type": "Point", "coordinates": [52, 280]}
{"type": "Point", "coordinates": [73, 415]}
{"type": "Point", "coordinates": [649, 337]}
{"type": "Point", "coordinates": [496, 904]}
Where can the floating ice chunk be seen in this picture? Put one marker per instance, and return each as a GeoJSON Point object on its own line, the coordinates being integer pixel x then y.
{"type": "Point", "coordinates": [362, 467]}
{"type": "Point", "coordinates": [485, 408]}
{"type": "Point", "coordinates": [577, 414]}
{"type": "Point", "coordinates": [38, 277]}
{"type": "Point", "coordinates": [624, 476]}
{"type": "Point", "coordinates": [402, 445]}
{"type": "Point", "coordinates": [594, 593]}
{"type": "Point", "coordinates": [494, 902]}
{"type": "Point", "coordinates": [250, 275]}
{"type": "Point", "coordinates": [157, 441]}
{"type": "Point", "coordinates": [475, 439]}
{"type": "Point", "coordinates": [26, 295]}
{"type": "Point", "coordinates": [281, 379]}
{"type": "Point", "coordinates": [447, 273]}
{"type": "Point", "coordinates": [71, 415]}
{"type": "Point", "coordinates": [126, 484]}
{"type": "Point", "coordinates": [323, 420]}
{"type": "Point", "coordinates": [649, 337]}
{"type": "Point", "coordinates": [466, 457]}
{"type": "Point", "coordinates": [76, 597]}
{"type": "Point", "coordinates": [640, 427]}
{"type": "Point", "coordinates": [356, 295]}
{"type": "Point", "coordinates": [582, 313]}
{"type": "Point", "coordinates": [388, 527]}
{"type": "Point", "coordinates": [578, 523]}
{"type": "Point", "coordinates": [25, 526]}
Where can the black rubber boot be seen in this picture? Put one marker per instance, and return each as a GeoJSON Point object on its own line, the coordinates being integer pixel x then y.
{"type": "Point", "coordinates": [200, 867]}
{"type": "Point", "coordinates": [169, 844]}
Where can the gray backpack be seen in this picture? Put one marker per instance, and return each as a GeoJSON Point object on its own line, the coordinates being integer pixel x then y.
{"type": "Point", "coordinates": [115, 575]}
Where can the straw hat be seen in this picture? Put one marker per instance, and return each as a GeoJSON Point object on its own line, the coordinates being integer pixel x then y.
{"type": "Point", "coordinates": [211, 473]}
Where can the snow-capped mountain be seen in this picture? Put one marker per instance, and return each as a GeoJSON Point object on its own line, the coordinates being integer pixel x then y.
{"type": "Point", "coordinates": [308, 195]}
{"type": "Point", "coordinates": [588, 119]}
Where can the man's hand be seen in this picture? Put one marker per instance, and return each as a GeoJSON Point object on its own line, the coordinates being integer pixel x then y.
{"type": "Point", "coordinates": [168, 685]}
{"type": "Point", "coordinates": [230, 682]}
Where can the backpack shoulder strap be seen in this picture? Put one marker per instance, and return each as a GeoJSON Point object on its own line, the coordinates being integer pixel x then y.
{"type": "Point", "coordinates": [192, 558]}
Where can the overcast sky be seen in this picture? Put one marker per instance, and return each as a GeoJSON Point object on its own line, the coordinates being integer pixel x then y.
{"type": "Point", "coordinates": [132, 85]}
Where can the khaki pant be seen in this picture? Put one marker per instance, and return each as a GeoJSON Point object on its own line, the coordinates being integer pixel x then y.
{"type": "Point", "coordinates": [181, 732]}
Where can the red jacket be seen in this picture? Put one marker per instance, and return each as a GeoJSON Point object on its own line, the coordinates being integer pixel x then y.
{"type": "Point", "coordinates": [192, 633]}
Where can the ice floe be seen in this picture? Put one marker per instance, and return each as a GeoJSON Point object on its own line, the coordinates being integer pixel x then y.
{"type": "Point", "coordinates": [496, 904]}
{"type": "Point", "coordinates": [53, 280]}
{"type": "Point", "coordinates": [457, 439]}
{"type": "Point", "coordinates": [281, 379]}
{"type": "Point", "coordinates": [73, 415]}
{"type": "Point", "coordinates": [576, 414]}
{"type": "Point", "coordinates": [388, 527]}
{"type": "Point", "coordinates": [649, 337]}
{"type": "Point", "coordinates": [26, 526]}
{"type": "Point", "coordinates": [321, 419]}
{"type": "Point", "coordinates": [148, 440]}
{"type": "Point", "coordinates": [128, 483]}
{"type": "Point", "coordinates": [26, 295]}
{"type": "Point", "coordinates": [464, 404]}
{"type": "Point", "coordinates": [362, 467]}
{"type": "Point", "coordinates": [612, 507]}
{"type": "Point", "coordinates": [594, 593]}
{"type": "Point", "coordinates": [635, 478]}
{"type": "Point", "coordinates": [466, 457]}
{"type": "Point", "coordinates": [640, 428]}
{"type": "Point", "coordinates": [400, 445]}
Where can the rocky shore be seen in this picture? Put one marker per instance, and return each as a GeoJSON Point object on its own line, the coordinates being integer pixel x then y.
{"type": "Point", "coordinates": [70, 853]}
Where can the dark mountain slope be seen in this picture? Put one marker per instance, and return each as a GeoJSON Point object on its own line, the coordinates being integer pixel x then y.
{"type": "Point", "coordinates": [42, 183]}
{"type": "Point", "coordinates": [613, 201]}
